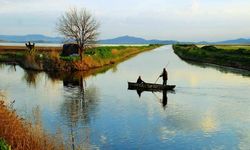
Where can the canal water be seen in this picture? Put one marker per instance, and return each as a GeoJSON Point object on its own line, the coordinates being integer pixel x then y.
{"type": "Point", "coordinates": [209, 108]}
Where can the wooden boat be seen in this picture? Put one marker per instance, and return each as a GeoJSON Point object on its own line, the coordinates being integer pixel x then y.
{"type": "Point", "coordinates": [149, 86]}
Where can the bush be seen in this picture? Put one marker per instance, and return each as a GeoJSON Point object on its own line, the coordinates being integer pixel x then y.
{"type": "Point", "coordinates": [210, 48]}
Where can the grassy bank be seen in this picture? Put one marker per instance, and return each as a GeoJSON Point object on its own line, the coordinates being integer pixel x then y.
{"type": "Point", "coordinates": [17, 134]}
{"type": "Point", "coordinates": [230, 56]}
{"type": "Point", "coordinates": [23, 48]}
{"type": "Point", "coordinates": [52, 61]}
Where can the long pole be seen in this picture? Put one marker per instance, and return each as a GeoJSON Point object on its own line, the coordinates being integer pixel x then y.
{"type": "Point", "coordinates": [167, 64]}
{"type": "Point", "coordinates": [157, 79]}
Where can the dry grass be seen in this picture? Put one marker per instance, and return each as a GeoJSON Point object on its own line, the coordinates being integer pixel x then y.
{"type": "Point", "coordinates": [23, 48]}
{"type": "Point", "coordinates": [23, 136]}
{"type": "Point", "coordinates": [54, 55]}
{"type": "Point", "coordinates": [114, 51]}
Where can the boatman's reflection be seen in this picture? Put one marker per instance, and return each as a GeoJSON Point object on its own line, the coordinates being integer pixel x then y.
{"type": "Point", "coordinates": [139, 92]}
{"type": "Point", "coordinates": [164, 99]}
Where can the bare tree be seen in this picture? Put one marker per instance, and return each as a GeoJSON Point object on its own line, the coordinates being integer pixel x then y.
{"type": "Point", "coordinates": [80, 26]}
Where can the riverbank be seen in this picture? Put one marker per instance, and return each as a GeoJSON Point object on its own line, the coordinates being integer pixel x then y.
{"type": "Point", "coordinates": [46, 59]}
{"type": "Point", "coordinates": [23, 48]}
{"type": "Point", "coordinates": [223, 55]}
{"type": "Point", "coordinates": [16, 133]}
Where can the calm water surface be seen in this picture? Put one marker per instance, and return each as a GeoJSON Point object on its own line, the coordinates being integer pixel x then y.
{"type": "Point", "coordinates": [210, 108]}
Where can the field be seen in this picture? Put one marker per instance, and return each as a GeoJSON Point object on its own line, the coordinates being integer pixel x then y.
{"type": "Point", "coordinates": [237, 56]}
{"type": "Point", "coordinates": [229, 47]}
{"type": "Point", "coordinates": [49, 59]}
{"type": "Point", "coordinates": [23, 48]}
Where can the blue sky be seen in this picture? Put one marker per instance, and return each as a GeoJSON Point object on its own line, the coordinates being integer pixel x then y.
{"type": "Point", "coordinates": [186, 20]}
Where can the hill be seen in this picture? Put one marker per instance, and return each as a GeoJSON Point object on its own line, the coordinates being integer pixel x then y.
{"type": "Point", "coordinates": [38, 38]}
{"type": "Point", "coordinates": [134, 40]}
{"type": "Point", "coordinates": [236, 41]}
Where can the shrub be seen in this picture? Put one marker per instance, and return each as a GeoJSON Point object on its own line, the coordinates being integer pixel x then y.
{"type": "Point", "coordinates": [21, 135]}
{"type": "Point", "coordinates": [210, 48]}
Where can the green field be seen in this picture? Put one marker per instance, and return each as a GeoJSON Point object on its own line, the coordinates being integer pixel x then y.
{"type": "Point", "coordinates": [229, 47]}
{"type": "Point", "coordinates": [237, 56]}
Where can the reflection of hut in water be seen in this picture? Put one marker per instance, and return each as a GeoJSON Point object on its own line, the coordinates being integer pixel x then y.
{"type": "Point", "coordinates": [72, 82]}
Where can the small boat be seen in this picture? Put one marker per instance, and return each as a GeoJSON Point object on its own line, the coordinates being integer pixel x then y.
{"type": "Point", "coordinates": [149, 86]}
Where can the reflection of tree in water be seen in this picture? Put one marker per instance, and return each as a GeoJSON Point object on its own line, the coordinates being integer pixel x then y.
{"type": "Point", "coordinates": [2, 65]}
{"type": "Point", "coordinates": [30, 77]}
{"type": "Point", "coordinates": [58, 76]}
{"type": "Point", "coordinates": [78, 108]}
{"type": "Point", "coordinates": [11, 67]}
{"type": "Point", "coordinates": [79, 103]}
{"type": "Point", "coordinates": [2, 95]}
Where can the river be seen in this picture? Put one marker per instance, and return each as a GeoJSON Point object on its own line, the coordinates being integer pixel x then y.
{"type": "Point", "coordinates": [209, 109]}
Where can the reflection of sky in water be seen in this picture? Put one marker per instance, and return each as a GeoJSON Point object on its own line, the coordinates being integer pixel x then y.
{"type": "Point", "coordinates": [209, 109]}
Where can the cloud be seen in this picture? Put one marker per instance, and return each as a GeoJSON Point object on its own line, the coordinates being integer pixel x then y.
{"type": "Point", "coordinates": [195, 6]}
{"type": "Point", "coordinates": [163, 19]}
{"type": "Point", "coordinates": [31, 6]}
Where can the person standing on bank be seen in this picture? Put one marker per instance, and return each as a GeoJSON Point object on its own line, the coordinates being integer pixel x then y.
{"type": "Point", "coordinates": [164, 76]}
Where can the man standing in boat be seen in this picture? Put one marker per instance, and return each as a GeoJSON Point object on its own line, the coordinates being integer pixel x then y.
{"type": "Point", "coordinates": [164, 76]}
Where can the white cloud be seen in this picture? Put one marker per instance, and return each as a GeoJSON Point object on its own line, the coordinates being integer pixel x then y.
{"type": "Point", "coordinates": [195, 6]}
{"type": "Point", "coordinates": [164, 19]}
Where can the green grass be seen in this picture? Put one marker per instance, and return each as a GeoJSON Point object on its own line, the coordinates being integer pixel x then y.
{"type": "Point", "coordinates": [70, 58]}
{"type": "Point", "coordinates": [229, 47]}
{"type": "Point", "coordinates": [3, 145]}
{"type": "Point", "coordinates": [233, 56]}
{"type": "Point", "coordinates": [233, 47]}
{"type": "Point", "coordinates": [105, 52]}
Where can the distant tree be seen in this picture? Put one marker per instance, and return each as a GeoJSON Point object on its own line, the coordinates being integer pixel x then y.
{"type": "Point", "coordinates": [80, 26]}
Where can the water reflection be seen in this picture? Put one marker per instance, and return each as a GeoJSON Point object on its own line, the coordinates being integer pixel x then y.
{"type": "Point", "coordinates": [78, 108]}
{"type": "Point", "coordinates": [220, 68]}
{"type": "Point", "coordinates": [68, 78]}
{"type": "Point", "coordinates": [210, 108]}
{"type": "Point", "coordinates": [30, 77]}
{"type": "Point", "coordinates": [79, 104]}
{"type": "Point", "coordinates": [163, 99]}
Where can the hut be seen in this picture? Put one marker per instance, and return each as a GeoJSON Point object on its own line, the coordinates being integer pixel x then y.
{"type": "Point", "coordinates": [70, 49]}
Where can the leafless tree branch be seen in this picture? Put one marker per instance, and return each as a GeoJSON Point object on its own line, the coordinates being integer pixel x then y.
{"type": "Point", "coordinates": [80, 26]}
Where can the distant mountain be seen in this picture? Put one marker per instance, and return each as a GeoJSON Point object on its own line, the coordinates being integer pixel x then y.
{"type": "Point", "coordinates": [236, 41]}
{"type": "Point", "coordinates": [134, 40]}
{"type": "Point", "coordinates": [38, 38]}
{"type": "Point", "coordinates": [3, 41]}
